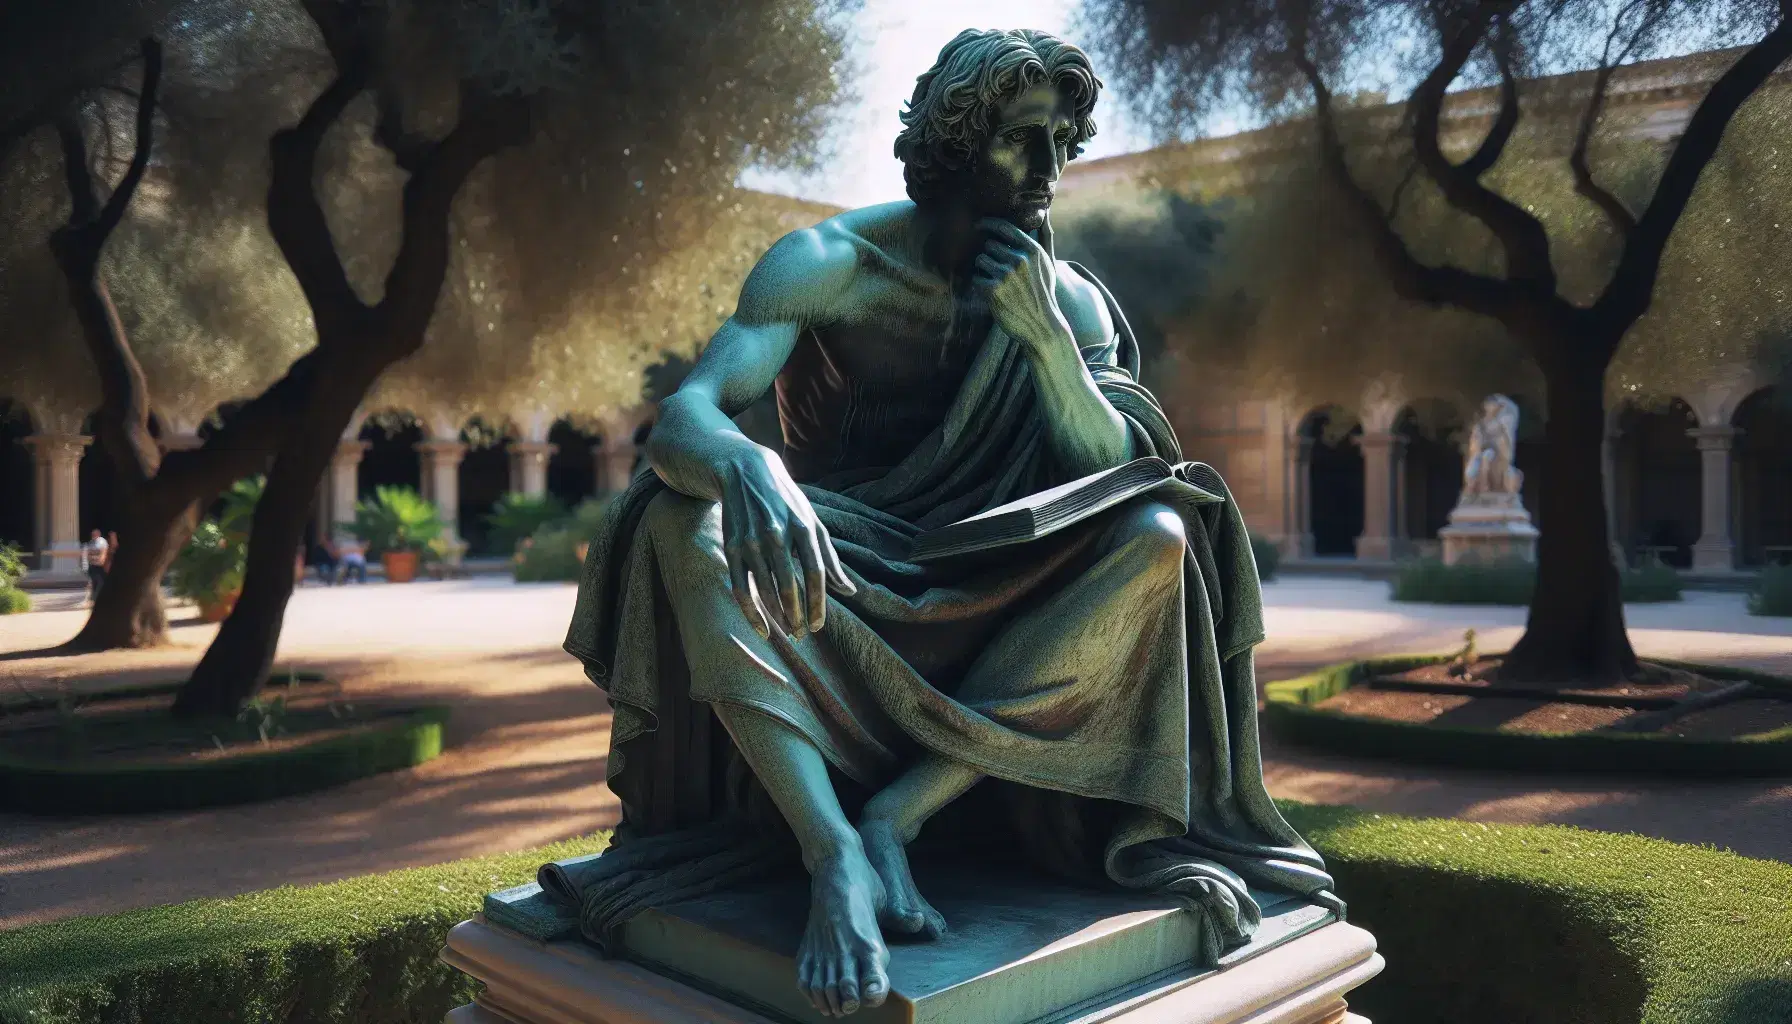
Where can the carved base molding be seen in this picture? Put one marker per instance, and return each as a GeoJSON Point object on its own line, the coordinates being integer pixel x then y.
{"type": "Point", "coordinates": [1301, 981]}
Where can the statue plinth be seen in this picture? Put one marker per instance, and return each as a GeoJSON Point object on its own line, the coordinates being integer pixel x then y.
{"type": "Point", "coordinates": [1021, 950]}
{"type": "Point", "coordinates": [1487, 528]}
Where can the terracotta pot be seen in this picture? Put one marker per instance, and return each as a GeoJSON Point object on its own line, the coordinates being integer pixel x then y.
{"type": "Point", "coordinates": [579, 550]}
{"type": "Point", "coordinates": [401, 566]}
{"type": "Point", "coordinates": [218, 608]}
{"type": "Point", "coordinates": [298, 569]}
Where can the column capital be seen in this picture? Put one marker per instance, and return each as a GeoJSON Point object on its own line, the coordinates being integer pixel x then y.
{"type": "Point", "coordinates": [442, 449]}
{"type": "Point", "coordinates": [56, 447]}
{"type": "Point", "coordinates": [541, 448]}
{"type": "Point", "coordinates": [1718, 438]}
{"type": "Point", "coordinates": [1380, 439]}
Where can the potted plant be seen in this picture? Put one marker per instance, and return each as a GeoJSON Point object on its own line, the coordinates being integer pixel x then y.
{"type": "Point", "coordinates": [209, 570]}
{"type": "Point", "coordinates": [209, 567]}
{"type": "Point", "coordinates": [397, 526]}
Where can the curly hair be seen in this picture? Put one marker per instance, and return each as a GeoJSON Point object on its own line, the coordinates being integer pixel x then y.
{"type": "Point", "coordinates": [948, 117]}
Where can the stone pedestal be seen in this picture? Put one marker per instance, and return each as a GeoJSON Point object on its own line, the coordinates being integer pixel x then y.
{"type": "Point", "coordinates": [1489, 528]}
{"type": "Point", "coordinates": [1022, 950]}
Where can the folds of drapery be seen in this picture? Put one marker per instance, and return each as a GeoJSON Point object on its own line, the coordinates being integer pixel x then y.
{"type": "Point", "coordinates": [1194, 818]}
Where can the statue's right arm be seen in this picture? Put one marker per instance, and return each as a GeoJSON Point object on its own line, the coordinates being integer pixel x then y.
{"type": "Point", "coordinates": [695, 443]}
{"type": "Point", "coordinates": [777, 549]}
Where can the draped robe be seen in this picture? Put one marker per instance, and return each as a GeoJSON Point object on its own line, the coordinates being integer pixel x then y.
{"type": "Point", "coordinates": [1105, 687]}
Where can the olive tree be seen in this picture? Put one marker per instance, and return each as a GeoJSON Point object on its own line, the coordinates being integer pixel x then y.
{"type": "Point", "coordinates": [1290, 59]}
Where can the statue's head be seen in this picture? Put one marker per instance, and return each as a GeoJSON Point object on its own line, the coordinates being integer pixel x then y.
{"type": "Point", "coordinates": [994, 121]}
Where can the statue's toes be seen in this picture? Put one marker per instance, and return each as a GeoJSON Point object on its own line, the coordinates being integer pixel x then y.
{"type": "Point", "coordinates": [933, 923]}
{"type": "Point", "coordinates": [874, 984]}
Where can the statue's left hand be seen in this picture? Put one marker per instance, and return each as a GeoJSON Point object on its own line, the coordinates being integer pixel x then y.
{"type": "Point", "coordinates": [1021, 280]}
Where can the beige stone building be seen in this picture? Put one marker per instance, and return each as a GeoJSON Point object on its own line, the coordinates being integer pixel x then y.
{"type": "Point", "coordinates": [1705, 485]}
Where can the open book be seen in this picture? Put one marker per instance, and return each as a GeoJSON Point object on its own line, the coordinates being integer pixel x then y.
{"type": "Point", "coordinates": [1049, 511]}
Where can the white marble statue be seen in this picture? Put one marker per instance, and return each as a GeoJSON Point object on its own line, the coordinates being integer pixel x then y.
{"type": "Point", "coordinates": [1488, 474]}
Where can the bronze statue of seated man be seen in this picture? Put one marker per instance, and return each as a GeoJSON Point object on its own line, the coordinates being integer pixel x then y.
{"type": "Point", "coordinates": [779, 666]}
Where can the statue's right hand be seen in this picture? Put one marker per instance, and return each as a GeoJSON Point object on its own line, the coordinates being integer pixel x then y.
{"type": "Point", "coordinates": [780, 558]}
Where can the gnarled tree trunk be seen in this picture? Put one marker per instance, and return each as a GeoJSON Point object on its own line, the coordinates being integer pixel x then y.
{"type": "Point", "coordinates": [128, 611]}
{"type": "Point", "coordinates": [1574, 634]}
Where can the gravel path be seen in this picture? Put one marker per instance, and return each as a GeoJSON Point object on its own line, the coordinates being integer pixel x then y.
{"type": "Point", "coordinates": [527, 742]}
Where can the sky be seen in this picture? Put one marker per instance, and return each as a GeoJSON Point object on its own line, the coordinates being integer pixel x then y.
{"type": "Point", "coordinates": [894, 41]}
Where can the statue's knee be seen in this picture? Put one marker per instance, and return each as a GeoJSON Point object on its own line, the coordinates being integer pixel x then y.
{"type": "Point", "coordinates": [1154, 530]}
{"type": "Point", "coordinates": [679, 523]}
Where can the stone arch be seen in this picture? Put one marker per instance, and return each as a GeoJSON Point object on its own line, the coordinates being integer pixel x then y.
{"type": "Point", "coordinates": [484, 478]}
{"type": "Point", "coordinates": [20, 517]}
{"type": "Point", "coordinates": [1432, 431]}
{"type": "Point", "coordinates": [391, 460]}
{"type": "Point", "coordinates": [1334, 471]}
{"type": "Point", "coordinates": [1763, 474]}
{"type": "Point", "coordinates": [572, 471]}
{"type": "Point", "coordinates": [1656, 489]}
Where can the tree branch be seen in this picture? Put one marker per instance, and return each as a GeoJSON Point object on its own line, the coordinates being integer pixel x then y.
{"type": "Point", "coordinates": [1632, 287]}
{"type": "Point", "coordinates": [1622, 220]}
{"type": "Point", "coordinates": [1521, 236]}
{"type": "Point", "coordinates": [486, 125]}
{"type": "Point", "coordinates": [296, 217]}
{"type": "Point", "coordinates": [113, 213]}
{"type": "Point", "coordinates": [1494, 145]}
{"type": "Point", "coordinates": [250, 438]}
{"type": "Point", "coordinates": [1412, 280]}
{"type": "Point", "coordinates": [124, 405]}
{"type": "Point", "coordinates": [77, 177]}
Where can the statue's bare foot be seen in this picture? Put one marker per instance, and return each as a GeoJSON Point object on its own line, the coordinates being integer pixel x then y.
{"type": "Point", "coordinates": [841, 962]}
{"type": "Point", "coordinates": [905, 911]}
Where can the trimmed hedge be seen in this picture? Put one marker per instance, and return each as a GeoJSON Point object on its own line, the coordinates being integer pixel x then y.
{"type": "Point", "coordinates": [11, 704]}
{"type": "Point", "coordinates": [1429, 581]}
{"type": "Point", "coordinates": [1480, 924]}
{"type": "Point", "coordinates": [1267, 555]}
{"type": "Point", "coordinates": [402, 741]}
{"type": "Point", "coordinates": [1773, 592]}
{"type": "Point", "coordinates": [14, 601]}
{"type": "Point", "coordinates": [1290, 713]}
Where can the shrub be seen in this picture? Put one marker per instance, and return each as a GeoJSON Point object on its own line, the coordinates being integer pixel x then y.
{"type": "Point", "coordinates": [1430, 581]}
{"type": "Point", "coordinates": [1268, 556]}
{"type": "Point", "coordinates": [552, 552]}
{"type": "Point", "coordinates": [515, 516]}
{"type": "Point", "coordinates": [14, 601]}
{"type": "Point", "coordinates": [1291, 714]}
{"type": "Point", "coordinates": [12, 567]}
{"type": "Point", "coordinates": [397, 519]}
{"type": "Point", "coordinates": [1480, 924]}
{"type": "Point", "coordinates": [1773, 592]}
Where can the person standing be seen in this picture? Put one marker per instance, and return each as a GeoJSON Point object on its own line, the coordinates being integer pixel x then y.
{"type": "Point", "coordinates": [94, 561]}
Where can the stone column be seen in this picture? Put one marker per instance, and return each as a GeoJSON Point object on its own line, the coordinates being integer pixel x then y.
{"type": "Point", "coordinates": [529, 466]}
{"type": "Point", "coordinates": [58, 460]}
{"type": "Point", "coordinates": [1382, 453]}
{"type": "Point", "coordinates": [441, 481]}
{"type": "Point", "coordinates": [1608, 468]}
{"type": "Point", "coordinates": [343, 485]}
{"type": "Point", "coordinates": [1298, 489]}
{"type": "Point", "coordinates": [1716, 547]}
{"type": "Point", "coordinates": [615, 461]}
